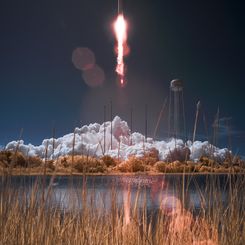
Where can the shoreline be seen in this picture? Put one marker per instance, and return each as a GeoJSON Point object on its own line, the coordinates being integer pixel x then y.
{"type": "Point", "coordinates": [16, 164]}
{"type": "Point", "coordinates": [60, 174]}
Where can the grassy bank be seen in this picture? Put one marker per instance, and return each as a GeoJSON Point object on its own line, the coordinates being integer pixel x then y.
{"type": "Point", "coordinates": [32, 219]}
{"type": "Point", "coordinates": [16, 163]}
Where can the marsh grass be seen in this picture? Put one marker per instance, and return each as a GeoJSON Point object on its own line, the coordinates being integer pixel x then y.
{"type": "Point", "coordinates": [32, 218]}
{"type": "Point", "coordinates": [14, 162]}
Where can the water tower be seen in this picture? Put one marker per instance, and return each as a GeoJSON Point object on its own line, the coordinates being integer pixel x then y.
{"type": "Point", "coordinates": [176, 109]}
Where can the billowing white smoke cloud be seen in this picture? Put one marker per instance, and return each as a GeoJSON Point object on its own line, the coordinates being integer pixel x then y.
{"type": "Point", "coordinates": [89, 140]}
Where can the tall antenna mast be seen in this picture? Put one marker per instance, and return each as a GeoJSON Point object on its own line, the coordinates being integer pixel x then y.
{"type": "Point", "coordinates": [196, 118]}
{"type": "Point", "coordinates": [111, 123]}
{"type": "Point", "coordinates": [146, 121]}
{"type": "Point", "coordinates": [159, 117]}
{"type": "Point", "coordinates": [104, 128]}
{"type": "Point", "coordinates": [176, 88]}
{"type": "Point", "coordinates": [131, 125]}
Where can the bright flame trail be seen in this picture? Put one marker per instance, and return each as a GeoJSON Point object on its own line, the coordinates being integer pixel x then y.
{"type": "Point", "coordinates": [120, 27]}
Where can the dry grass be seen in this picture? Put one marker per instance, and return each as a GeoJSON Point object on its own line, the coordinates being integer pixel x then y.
{"type": "Point", "coordinates": [81, 164]}
{"type": "Point", "coordinates": [12, 159]}
{"type": "Point", "coordinates": [35, 221]}
{"type": "Point", "coordinates": [16, 162]}
{"type": "Point", "coordinates": [33, 162]}
{"type": "Point", "coordinates": [150, 157]}
{"type": "Point", "coordinates": [109, 161]}
{"type": "Point", "coordinates": [133, 164]}
{"type": "Point", "coordinates": [161, 166]}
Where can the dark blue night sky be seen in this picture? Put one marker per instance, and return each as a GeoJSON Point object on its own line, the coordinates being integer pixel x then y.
{"type": "Point", "coordinates": [200, 42]}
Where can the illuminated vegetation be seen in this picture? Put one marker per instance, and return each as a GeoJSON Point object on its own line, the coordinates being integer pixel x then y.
{"type": "Point", "coordinates": [34, 220]}
{"type": "Point", "coordinates": [16, 163]}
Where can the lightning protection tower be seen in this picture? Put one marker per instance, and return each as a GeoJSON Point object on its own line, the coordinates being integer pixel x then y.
{"type": "Point", "coordinates": [176, 127]}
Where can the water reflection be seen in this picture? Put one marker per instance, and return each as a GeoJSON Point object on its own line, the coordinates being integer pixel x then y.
{"type": "Point", "coordinates": [167, 193]}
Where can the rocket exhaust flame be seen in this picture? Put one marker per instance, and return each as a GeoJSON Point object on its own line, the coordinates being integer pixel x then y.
{"type": "Point", "coordinates": [120, 28]}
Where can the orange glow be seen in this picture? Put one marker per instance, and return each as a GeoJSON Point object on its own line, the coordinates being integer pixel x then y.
{"type": "Point", "coordinates": [120, 28]}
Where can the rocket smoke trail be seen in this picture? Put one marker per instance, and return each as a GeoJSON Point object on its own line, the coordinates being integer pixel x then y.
{"type": "Point", "coordinates": [120, 28]}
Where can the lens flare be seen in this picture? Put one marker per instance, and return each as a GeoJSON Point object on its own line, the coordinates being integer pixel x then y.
{"type": "Point", "coordinates": [120, 28]}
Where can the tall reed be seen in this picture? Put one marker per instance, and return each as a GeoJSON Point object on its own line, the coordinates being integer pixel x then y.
{"type": "Point", "coordinates": [25, 218]}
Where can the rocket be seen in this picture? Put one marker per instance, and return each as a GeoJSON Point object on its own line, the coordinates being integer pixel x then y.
{"type": "Point", "coordinates": [119, 6]}
{"type": "Point", "coordinates": [120, 28]}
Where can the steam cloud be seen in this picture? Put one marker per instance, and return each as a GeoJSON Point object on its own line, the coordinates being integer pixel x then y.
{"type": "Point", "coordinates": [89, 140]}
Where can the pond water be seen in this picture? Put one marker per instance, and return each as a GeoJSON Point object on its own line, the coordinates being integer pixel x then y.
{"type": "Point", "coordinates": [153, 192]}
